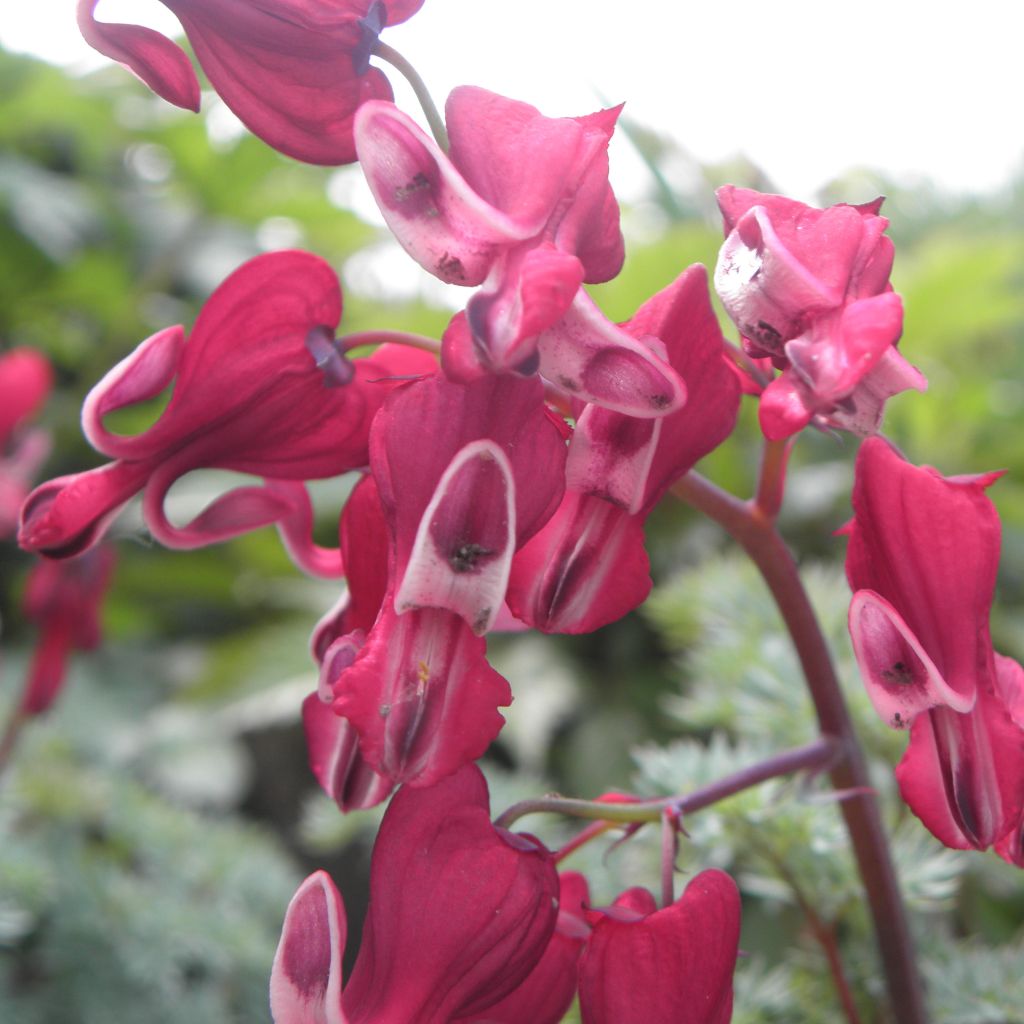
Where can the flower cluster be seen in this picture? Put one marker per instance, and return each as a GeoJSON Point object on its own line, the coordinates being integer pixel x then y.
{"type": "Point", "coordinates": [504, 474]}
{"type": "Point", "coordinates": [470, 924]}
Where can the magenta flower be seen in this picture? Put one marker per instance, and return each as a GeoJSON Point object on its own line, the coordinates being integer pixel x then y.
{"type": "Point", "coordinates": [810, 289]}
{"type": "Point", "coordinates": [419, 690]}
{"type": "Point", "coordinates": [521, 206]}
{"type": "Point", "coordinates": [588, 567]}
{"type": "Point", "coordinates": [460, 912]}
{"type": "Point", "coordinates": [249, 395]}
{"type": "Point", "coordinates": [922, 564]}
{"type": "Point", "coordinates": [64, 599]}
{"type": "Point", "coordinates": [25, 382]}
{"type": "Point", "coordinates": [294, 71]}
{"type": "Point", "coordinates": [642, 965]}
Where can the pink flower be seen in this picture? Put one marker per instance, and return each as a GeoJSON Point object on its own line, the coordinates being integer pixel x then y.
{"type": "Point", "coordinates": [294, 71]}
{"type": "Point", "coordinates": [250, 396]}
{"type": "Point", "coordinates": [64, 599]}
{"type": "Point", "coordinates": [419, 689]}
{"type": "Point", "coordinates": [521, 206]}
{"type": "Point", "coordinates": [922, 564]}
{"type": "Point", "coordinates": [588, 567]}
{"type": "Point", "coordinates": [810, 288]}
{"type": "Point", "coordinates": [460, 912]}
{"type": "Point", "coordinates": [25, 382]}
{"type": "Point", "coordinates": [642, 965]}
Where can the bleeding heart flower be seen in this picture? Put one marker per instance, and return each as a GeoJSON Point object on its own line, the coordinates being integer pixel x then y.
{"type": "Point", "coordinates": [294, 71]}
{"type": "Point", "coordinates": [810, 289]}
{"type": "Point", "coordinates": [922, 564]}
{"type": "Point", "coordinates": [460, 912]}
{"type": "Point", "coordinates": [588, 567]}
{"type": "Point", "coordinates": [521, 206]}
{"type": "Point", "coordinates": [249, 396]}
{"type": "Point", "coordinates": [419, 690]}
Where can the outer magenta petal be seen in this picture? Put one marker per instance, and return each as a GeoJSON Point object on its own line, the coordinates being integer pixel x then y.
{"type": "Point", "coordinates": [138, 377]}
{"type": "Point", "coordinates": [335, 760]}
{"type": "Point", "coordinates": [833, 358]}
{"type": "Point", "coordinates": [587, 567]}
{"type": "Point", "coordinates": [69, 514]}
{"type": "Point", "coordinates": [161, 64]}
{"type": "Point", "coordinates": [460, 912]}
{"type": "Point", "coordinates": [549, 989]}
{"type": "Point", "coordinates": [305, 982]}
{"type": "Point", "coordinates": [673, 965]}
{"type": "Point", "coordinates": [422, 695]}
{"type": "Point", "coordinates": [963, 774]}
{"type": "Point", "coordinates": [930, 547]}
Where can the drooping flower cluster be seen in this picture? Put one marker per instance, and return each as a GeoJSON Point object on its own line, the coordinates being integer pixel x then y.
{"type": "Point", "coordinates": [809, 292]}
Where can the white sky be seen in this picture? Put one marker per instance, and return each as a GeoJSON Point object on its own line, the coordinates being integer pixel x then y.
{"type": "Point", "coordinates": [806, 88]}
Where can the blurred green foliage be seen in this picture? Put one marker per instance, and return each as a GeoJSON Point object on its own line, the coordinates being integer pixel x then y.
{"type": "Point", "coordinates": [129, 875]}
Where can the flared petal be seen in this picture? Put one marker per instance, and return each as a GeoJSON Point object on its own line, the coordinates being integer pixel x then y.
{"type": "Point", "coordinates": [505, 411]}
{"type": "Point", "coordinates": [161, 64]}
{"type": "Point", "coordinates": [901, 679]}
{"type": "Point", "coordinates": [596, 361]}
{"type": "Point", "coordinates": [305, 981]}
{"type": "Point", "coordinates": [446, 226]}
{"type": "Point", "coordinates": [462, 553]}
{"type": "Point", "coordinates": [69, 514]}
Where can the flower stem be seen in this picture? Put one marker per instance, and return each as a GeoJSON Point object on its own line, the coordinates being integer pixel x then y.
{"type": "Point", "coordinates": [433, 115]}
{"type": "Point", "coordinates": [771, 481]}
{"type": "Point", "coordinates": [362, 339]}
{"type": "Point", "coordinates": [760, 539]}
{"type": "Point", "coordinates": [816, 755]}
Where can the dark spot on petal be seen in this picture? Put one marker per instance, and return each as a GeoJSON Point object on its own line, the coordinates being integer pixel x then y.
{"type": "Point", "coordinates": [450, 267]}
{"type": "Point", "coordinates": [465, 557]}
{"type": "Point", "coordinates": [899, 674]}
{"type": "Point", "coordinates": [418, 183]}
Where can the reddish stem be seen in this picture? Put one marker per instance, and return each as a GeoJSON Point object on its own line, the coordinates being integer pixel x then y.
{"type": "Point", "coordinates": [758, 536]}
{"type": "Point", "coordinates": [814, 756]}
